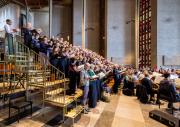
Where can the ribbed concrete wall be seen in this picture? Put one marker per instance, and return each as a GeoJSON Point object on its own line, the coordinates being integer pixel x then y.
{"type": "Point", "coordinates": [120, 35]}
{"type": "Point", "coordinates": [91, 24]}
{"type": "Point", "coordinates": [41, 20]}
{"type": "Point", "coordinates": [77, 20]}
{"type": "Point", "coordinates": [168, 30]}
{"type": "Point", "coordinates": [61, 21]}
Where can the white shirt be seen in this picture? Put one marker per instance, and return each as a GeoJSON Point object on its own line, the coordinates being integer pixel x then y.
{"type": "Point", "coordinates": [8, 29]}
{"type": "Point", "coordinates": [135, 78]}
{"type": "Point", "coordinates": [173, 76]}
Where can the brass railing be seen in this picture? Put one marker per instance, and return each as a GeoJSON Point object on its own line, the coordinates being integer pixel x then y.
{"type": "Point", "coordinates": [34, 70]}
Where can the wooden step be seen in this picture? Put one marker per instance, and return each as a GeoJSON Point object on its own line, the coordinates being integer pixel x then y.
{"type": "Point", "coordinates": [51, 83]}
{"type": "Point", "coordinates": [12, 91]}
{"type": "Point", "coordinates": [20, 53]}
{"type": "Point", "coordinates": [55, 92]}
{"type": "Point", "coordinates": [73, 113]}
{"type": "Point", "coordinates": [63, 101]}
{"type": "Point", "coordinates": [17, 57]}
{"type": "Point", "coordinates": [48, 83]}
{"type": "Point", "coordinates": [60, 101]}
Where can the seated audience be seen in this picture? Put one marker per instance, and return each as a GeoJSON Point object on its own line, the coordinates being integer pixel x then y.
{"type": "Point", "coordinates": [147, 83]}
{"type": "Point", "coordinates": [135, 78]}
{"type": "Point", "coordinates": [173, 75]}
{"type": "Point", "coordinates": [167, 84]}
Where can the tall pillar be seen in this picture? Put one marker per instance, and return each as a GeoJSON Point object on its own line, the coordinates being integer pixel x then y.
{"type": "Point", "coordinates": [86, 24]}
{"type": "Point", "coordinates": [50, 17]}
{"type": "Point", "coordinates": [137, 34]}
{"type": "Point", "coordinates": [83, 24]}
{"type": "Point", "coordinates": [77, 22]}
{"type": "Point", "coordinates": [92, 25]}
{"type": "Point", "coordinates": [154, 33]}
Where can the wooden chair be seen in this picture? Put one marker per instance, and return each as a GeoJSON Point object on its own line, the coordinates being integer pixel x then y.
{"type": "Point", "coordinates": [166, 95]}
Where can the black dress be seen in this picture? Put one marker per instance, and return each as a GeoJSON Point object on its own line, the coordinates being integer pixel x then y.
{"type": "Point", "coordinates": [72, 77]}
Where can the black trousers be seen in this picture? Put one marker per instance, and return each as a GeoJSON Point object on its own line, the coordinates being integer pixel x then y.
{"type": "Point", "coordinates": [72, 82]}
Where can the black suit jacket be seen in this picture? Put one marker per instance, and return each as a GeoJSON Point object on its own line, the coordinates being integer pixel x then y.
{"type": "Point", "coordinates": [148, 84]}
{"type": "Point", "coordinates": [27, 36]}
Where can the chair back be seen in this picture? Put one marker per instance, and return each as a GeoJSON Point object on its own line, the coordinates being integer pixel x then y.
{"type": "Point", "coordinates": [165, 93]}
{"type": "Point", "coordinates": [14, 96]}
{"type": "Point", "coordinates": [143, 94]}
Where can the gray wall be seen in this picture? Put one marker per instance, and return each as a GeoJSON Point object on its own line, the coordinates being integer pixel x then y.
{"type": "Point", "coordinates": [41, 20]}
{"type": "Point", "coordinates": [120, 36]}
{"type": "Point", "coordinates": [91, 24]}
{"type": "Point", "coordinates": [10, 11]}
{"type": "Point", "coordinates": [77, 20]}
{"type": "Point", "coordinates": [168, 29]}
{"type": "Point", "coordinates": [61, 21]}
{"type": "Point", "coordinates": [92, 21]}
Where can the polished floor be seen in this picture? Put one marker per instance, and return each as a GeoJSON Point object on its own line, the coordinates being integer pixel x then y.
{"type": "Point", "coordinates": [122, 111]}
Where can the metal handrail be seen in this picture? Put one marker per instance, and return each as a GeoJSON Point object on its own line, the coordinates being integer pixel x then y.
{"type": "Point", "coordinates": [45, 77]}
{"type": "Point", "coordinates": [45, 57]}
{"type": "Point", "coordinates": [53, 71]}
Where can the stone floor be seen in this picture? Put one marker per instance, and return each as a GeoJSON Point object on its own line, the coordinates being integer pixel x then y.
{"type": "Point", "coordinates": [122, 111]}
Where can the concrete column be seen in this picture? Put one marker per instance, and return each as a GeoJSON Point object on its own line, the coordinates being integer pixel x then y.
{"type": "Point", "coordinates": [86, 24]}
{"type": "Point", "coordinates": [106, 1]}
{"type": "Point", "coordinates": [50, 17]}
{"type": "Point", "coordinates": [92, 25]}
{"type": "Point", "coordinates": [154, 33]}
{"type": "Point", "coordinates": [62, 21]}
{"type": "Point", "coordinates": [83, 24]}
{"type": "Point", "coordinates": [77, 22]}
{"type": "Point", "coordinates": [137, 34]}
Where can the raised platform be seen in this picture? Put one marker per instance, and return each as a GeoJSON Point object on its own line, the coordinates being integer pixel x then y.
{"type": "Point", "coordinates": [55, 92]}
{"type": "Point", "coordinates": [48, 83]}
{"type": "Point", "coordinates": [74, 112]}
{"type": "Point", "coordinates": [62, 101]}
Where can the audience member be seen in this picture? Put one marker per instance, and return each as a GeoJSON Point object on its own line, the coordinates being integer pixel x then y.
{"type": "Point", "coordinates": [168, 85]}
{"type": "Point", "coordinates": [148, 84]}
